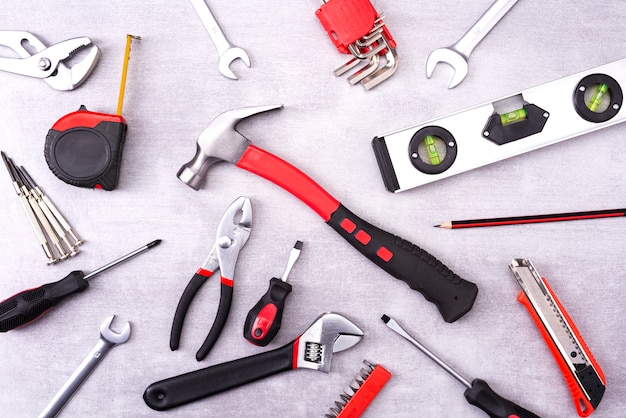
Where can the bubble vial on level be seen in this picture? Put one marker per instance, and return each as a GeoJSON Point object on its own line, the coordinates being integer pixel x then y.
{"type": "Point", "coordinates": [513, 117]}
{"type": "Point", "coordinates": [431, 148]}
{"type": "Point", "coordinates": [598, 95]}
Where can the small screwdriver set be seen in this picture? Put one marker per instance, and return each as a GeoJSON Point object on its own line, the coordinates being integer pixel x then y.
{"type": "Point", "coordinates": [54, 233]}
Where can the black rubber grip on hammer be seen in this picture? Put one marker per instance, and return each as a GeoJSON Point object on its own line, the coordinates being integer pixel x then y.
{"type": "Point", "coordinates": [452, 295]}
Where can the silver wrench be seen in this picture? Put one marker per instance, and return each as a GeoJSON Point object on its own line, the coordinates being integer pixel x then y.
{"type": "Point", "coordinates": [108, 339]}
{"type": "Point", "coordinates": [226, 51]}
{"type": "Point", "coordinates": [457, 55]}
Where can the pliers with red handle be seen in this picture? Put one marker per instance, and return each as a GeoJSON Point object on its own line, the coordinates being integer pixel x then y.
{"type": "Point", "coordinates": [231, 237]}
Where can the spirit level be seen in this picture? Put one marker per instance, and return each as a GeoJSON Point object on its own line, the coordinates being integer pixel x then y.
{"type": "Point", "coordinates": [492, 131]}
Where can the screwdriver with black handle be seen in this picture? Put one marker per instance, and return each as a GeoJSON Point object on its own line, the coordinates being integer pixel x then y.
{"type": "Point", "coordinates": [265, 318]}
{"type": "Point", "coordinates": [29, 305]}
{"type": "Point", "coordinates": [478, 392]}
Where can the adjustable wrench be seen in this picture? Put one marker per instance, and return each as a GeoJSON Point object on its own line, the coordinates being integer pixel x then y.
{"type": "Point", "coordinates": [226, 51]}
{"type": "Point", "coordinates": [330, 333]}
{"type": "Point", "coordinates": [108, 339]}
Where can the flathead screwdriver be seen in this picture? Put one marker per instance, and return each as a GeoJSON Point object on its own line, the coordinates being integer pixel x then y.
{"type": "Point", "coordinates": [264, 319]}
{"type": "Point", "coordinates": [29, 305]}
{"type": "Point", "coordinates": [478, 392]}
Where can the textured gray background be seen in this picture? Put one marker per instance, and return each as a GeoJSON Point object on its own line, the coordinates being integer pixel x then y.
{"type": "Point", "coordinates": [174, 90]}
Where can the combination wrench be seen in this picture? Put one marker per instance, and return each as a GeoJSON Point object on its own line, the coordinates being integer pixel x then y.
{"type": "Point", "coordinates": [108, 339]}
{"type": "Point", "coordinates": [457, 55]}
{"type": "Point", "coordinates": [226, 51]}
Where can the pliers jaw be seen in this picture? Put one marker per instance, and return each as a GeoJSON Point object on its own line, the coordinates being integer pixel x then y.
{"type": "Point", "coordinates": [48, 63]}
{"type": "Point", "coordinates": [232, 233]}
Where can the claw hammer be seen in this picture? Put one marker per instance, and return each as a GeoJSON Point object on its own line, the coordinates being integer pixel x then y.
{"type": "Point", "coordinates": [220, 141]}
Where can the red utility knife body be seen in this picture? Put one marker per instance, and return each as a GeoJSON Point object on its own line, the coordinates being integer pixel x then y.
{"type": "Point", "coordinates": [582, 373]}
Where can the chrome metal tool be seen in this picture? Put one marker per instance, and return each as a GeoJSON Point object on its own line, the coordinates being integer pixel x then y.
{"type": "Point", "coordinates": [457, 55]}
{"type": "Point", "coordinates": [226, 51]}
{"type": "Point", "coordinates": [330, 333]}
{"type": "Point", "coordinates": [48, 63]}
{"type": "Point", "coordinates": [108, 339]}
{"type": "Point", "coordinates": [67, 228]}
{"type": "Point", "coordinates": [503, 128]}
{"type": "Point", "coordinates": [582, 373]}
{"type": "Point", "coordinates": [478, 392]}
{"type": "Point", "coordinates": [233, 232]}
{"type": "Point", "coordinates": [30, 214]}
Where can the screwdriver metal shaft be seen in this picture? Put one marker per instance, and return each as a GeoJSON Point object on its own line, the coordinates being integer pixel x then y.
{"type": "Point", "coordinates": [29, 305]}
{"type": "Point", "coordinates": [478, 392]}
{"type": "Point", "coordinates": [55, 211]}
{"type": "Point", "coordinates": [43, 241]}
{"type": "Point", "coordinates": [293, 256]}
{"type": "Point", "coordinates": [264, 319]}
{"type": "Point", "coordinates": [122, 258]}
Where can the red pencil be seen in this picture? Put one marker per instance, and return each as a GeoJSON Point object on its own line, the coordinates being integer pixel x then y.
{"type": "Point", "coordinates": [517, 220]}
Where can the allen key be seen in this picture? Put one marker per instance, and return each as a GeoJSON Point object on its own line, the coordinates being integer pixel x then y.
{"type": "Point", "coordinates": [355, 27]}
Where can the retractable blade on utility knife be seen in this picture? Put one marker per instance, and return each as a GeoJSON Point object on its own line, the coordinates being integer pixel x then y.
{"type": "Point", "coordinates": [584, 377]}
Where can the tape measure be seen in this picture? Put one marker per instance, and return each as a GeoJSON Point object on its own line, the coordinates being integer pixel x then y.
{"type": "Point", "coordinates": [84, 148]}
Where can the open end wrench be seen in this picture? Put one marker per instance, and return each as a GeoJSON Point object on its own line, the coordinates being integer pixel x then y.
{"type": "Point", "coordinates": [226, 51]}
{"type": "Point", "coordinates": [108, 339]}
{"type": "Point", "coordinates": [457, 55]}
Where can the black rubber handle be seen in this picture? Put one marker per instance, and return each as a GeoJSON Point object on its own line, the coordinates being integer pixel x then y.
{"type": "Point", "coordinates": [482, 396]}
{"type": "Point", "coordinates": [265, 318]}
{"type": "Point", "coordinates": [452, 295]}
{"type": "Point", "coordinates": [29, 305]}
{"type": "Point", "coordinates": [226, 297]}
{"type": "Point", "coordinates": [189, 387]}
{"type": "Point", "coordinates": [183, 305]}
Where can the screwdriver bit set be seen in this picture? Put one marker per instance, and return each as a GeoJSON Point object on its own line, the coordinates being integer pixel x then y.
{"type": "Point", "coordinates": [360, 392]}
{"type": "Point", "coordinates": [54, 233]}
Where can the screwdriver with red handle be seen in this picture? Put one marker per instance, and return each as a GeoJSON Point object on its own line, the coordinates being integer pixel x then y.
{"type": "Point", "coordinates": [29, 305]}
{"type": "Point", "coordinates": [265, 318]}
{"type": "Point", "coordinates": [478, 392]}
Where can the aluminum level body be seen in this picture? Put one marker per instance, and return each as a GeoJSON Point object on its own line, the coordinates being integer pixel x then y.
{"type": "Point", "coordinates": [473, 150]}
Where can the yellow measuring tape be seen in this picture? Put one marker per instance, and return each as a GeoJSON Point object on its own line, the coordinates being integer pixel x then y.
{"type": "Point", "coordinates": [120, 100]}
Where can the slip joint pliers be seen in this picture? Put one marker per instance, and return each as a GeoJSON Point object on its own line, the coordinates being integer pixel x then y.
{"type": "Point", "coordinates": [232, 233]}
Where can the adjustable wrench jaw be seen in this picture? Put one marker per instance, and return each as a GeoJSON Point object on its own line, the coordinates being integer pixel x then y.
{"type": "Point", "coordinates": [48, 62]}
{"type": "Point", "coordinates": [330, 333]}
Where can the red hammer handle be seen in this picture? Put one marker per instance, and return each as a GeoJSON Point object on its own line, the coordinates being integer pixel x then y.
{"type": "Point", "coordinates": [452, 295]}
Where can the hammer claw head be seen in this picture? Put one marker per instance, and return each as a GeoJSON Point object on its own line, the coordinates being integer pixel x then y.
{"type": "Point", "coordinates": [220, 141]}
